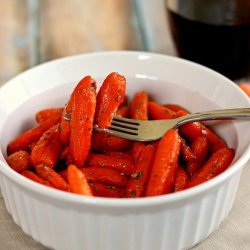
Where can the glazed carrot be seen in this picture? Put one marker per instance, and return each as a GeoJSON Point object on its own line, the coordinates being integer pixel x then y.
{"type": "Point", "coordinates": [137, 148]}
{"type": "Point", "coordinates": [50, 175]}
{"type": "Point", "coordinates": [122, 165]}
{"type": "Point", "coordinates": [101, 142]}
{"type": "Point", "coordinates": [64, 174]}
{"type": "Point", "coordinates": [174, 107]}
{"type": "Point", "coordinates": [110, 96]}
{"type": "Point", "coordinates": [136, 186]}
{"type": "Point", "coordinates": [48, 148]}
{"type": "Point", "coordinates": [214, 141]}
{"type": "Point", "coordinates": [216, 164]}
{"type": "Point", "coordinates": [189, 130]}
{"type": "Point", "coordinates": [165, 164]}
{"type": "Point", "coordinates": [65, 124]}
{"type": "Point", "coordinates": [119, 155]}
{"type": "Point", "coordinates": [46, 114]}
{"type": "Point", "coordinates": [109, 191]}
{"type": "Point", "coordinates": [186, 152]}
{"type": "Point", "coordinates": [138, 111]}
{"type": "Point", "coordinates": [19, 161]}
{"type": "Point", "coordinates": [122, 111]}
{"type": "Point", "coordinates": [181, 179]}
{"type": "Point", "coordinates": [65, 155]}
{"type": "Point", "coordinates": [98, 175]}
{"type": "Point", "coordinates": [113, 143]}
{"type": "Point", "coordinates": [82, 118]}
{"type": "Point", "coordinates": [77, 181]}
{"type": "Point", "coordinates": [31, 146]}
{"type": "Point", "coordinates": [32, 176]}
{"type": "Point", "coordinates": [245, 87]}
{"type": "Point", "coordinates": [199, 146]}
{"type": "Point", "coordinates": [159, 112]}
{"type": "Point", "coordinates": [139, 106]}
{"type": "Point", "coordinates": [195, 129]}
{"type": "Point", "coordinates": [23, 141]}
{"type": "Point", "coordinates": [105, 176]}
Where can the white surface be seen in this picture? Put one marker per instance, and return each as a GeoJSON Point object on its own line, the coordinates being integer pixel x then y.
{"type": "Point", "coordinates": [65, 221]}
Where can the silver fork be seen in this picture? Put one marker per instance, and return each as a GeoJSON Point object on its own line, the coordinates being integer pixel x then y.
{"type": "Point", "coordinates": [138, 130]}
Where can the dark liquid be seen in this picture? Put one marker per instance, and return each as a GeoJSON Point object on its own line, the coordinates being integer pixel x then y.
{"type": "Point", "coordinates": [225, 49]}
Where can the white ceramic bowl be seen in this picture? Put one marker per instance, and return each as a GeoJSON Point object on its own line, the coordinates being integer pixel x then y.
{"type": "Point", "coordinates": [61, 220]}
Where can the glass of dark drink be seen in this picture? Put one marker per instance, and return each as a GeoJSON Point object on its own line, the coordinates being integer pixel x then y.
{"type": "Point", "coordinates": [215, 33]}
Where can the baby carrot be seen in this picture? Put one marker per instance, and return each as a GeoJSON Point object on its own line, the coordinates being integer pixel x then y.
{"type": "Point", "coordinates": [77, 181]}
{"type": "Point", "coordinates": [65, 155]}
{"type": "Point", "coordinates": [174, 107]}
{"type": "Point", "coordinates": [31, 146]}
{"type": "Point", "coordinates": [50, 175]}
{"type": "Point", "coordinates": [137, 149]}
{"type": "Point", "coordinates": [245, 87]}
{"type": "Point", "coordinates": [101, 142]}
{"type": "Point", "coordinates": [82, 118]}
{"type": "Point", "coordinates": [64, 174]}
{"type": "Point", "coordinates": [122, 165]}
{"type": "Point", "coordinates": [199, 147]}
{"type": "Point", "coordinates": [216, 164]}
{"type": "Point", "coordinates": [108, 191]}
{"type": "Point", "coordinates": [109, 98]}
{"type": "Point", "coordinates": [165, 164]}
{"type": "Point", "coordinates": [122, 111]}
{"type": "Point", "coordinates": [181, 179]}
{"type": "Point", "coordinates": [32, 176]}
{"type": "Point", "coordinates": [214, 141]}
{"type": "Point", "coordinates": [65, 124]}
{"type": "Point", "coordinates": [159, 112]}
{"type": "Point", "coordinates": [100, 176]}
{"type": "Point", "coordinates": [139, 111]}
{"type": "Point", "coordinates": [136, 186]}
{"type": "Point", "coordinates": [19, 161]}
{"type": "Point", "coordinates": [45, 114]}
{"type": "Point", "coordinates": [119, 155]}
{"type": "Point", "coordinates": [193, 130]}
{"type": "Point", "coordinates": [189, 130]}
{"type": "Point", "coordinates": [139, 106]}
{"type": "Point", "coordinates": [186, 152]}
{"type": "Point", "coordinates": [48, 148]}
{"type": "Point", "coordinates": [23, 141]}
{"type": "Point", "coordinates": [105, 176]}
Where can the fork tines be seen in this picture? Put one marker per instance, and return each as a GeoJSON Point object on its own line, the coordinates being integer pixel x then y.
{"type": "Point", "coordinates": [124, 125]}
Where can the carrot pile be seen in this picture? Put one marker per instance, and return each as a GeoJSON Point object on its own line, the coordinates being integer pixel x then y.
{"type": "Point", "coordinates": [69, 155]}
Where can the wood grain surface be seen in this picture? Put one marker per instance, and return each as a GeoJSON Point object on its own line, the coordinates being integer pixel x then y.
{"type": "Point", "coordinates": [36, 31]}
{"type": "Point", "coordinates": [83, 26]}
{"type": "Point", "coordinates": [14, 54]}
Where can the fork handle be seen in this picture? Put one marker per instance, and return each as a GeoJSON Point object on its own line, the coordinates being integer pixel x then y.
{"type": "Point", "coordinates": [241, 113]}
